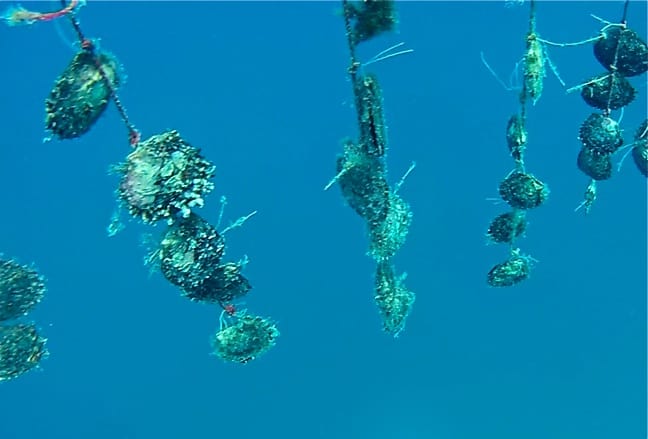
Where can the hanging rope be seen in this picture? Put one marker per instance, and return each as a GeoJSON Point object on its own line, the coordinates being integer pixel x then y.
{"type": "Point", "coordinates": [87, 45]}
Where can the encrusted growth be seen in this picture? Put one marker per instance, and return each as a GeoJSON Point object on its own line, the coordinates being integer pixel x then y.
{"type": "Point", "coordinates": [80, 94]}
{"type": "Point", "coordinates": [162, 177]}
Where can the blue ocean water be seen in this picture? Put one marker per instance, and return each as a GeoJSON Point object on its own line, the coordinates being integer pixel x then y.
{"type": "Point", "coordinates": [262, 89]}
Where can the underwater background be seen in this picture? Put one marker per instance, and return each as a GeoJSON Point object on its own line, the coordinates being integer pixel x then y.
{"type": "Point", "coordinates": [262, 89]}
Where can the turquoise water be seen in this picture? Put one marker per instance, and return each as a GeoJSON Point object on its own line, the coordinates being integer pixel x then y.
{"type": "Point", "coordinates": [262, 89]}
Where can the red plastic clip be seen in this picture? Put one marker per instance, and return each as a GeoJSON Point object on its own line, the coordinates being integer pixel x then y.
{"type": "Point", "coordinates": [134, 137]}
